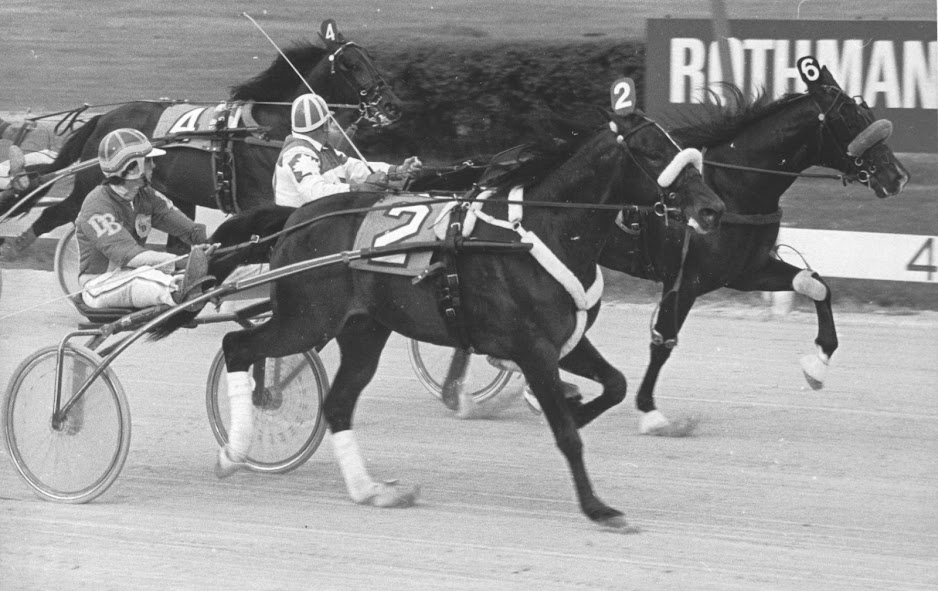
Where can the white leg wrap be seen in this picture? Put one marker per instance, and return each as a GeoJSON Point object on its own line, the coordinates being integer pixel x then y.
{"type": "Point", "coordinates": [241, 430]}
{"type": "Point", "coordinates": [815, 369]}
{"type": "Point", "coordinates": [805, 284]}
{"type": "Point", "coordinates": [359, 484]}
{"type": "Point", "coordinates": [652, 421]}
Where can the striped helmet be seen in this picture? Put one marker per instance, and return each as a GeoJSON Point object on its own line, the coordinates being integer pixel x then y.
{"type": "Point", "coordinates": [309, 112]}
{"type": "Point", "coordinates": [123, 147]}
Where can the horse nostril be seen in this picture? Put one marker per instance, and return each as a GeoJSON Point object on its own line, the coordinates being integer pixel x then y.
{"type": "Point", "coordinates": [712, 217]}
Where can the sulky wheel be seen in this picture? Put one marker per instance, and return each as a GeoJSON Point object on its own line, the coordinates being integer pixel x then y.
{"type": "Point", "coordinates": [288, 420]}
{"type": "Point", "coordinates": [431, 362]}
{"type": "Point", "coordinates": [65, 263]}
{"type": "Point", "coordinates": [70, 459]}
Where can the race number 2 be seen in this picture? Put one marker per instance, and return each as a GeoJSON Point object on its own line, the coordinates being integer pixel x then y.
{"type": "Point", "coordinates": [622, 96]}
{"type": "Point", "coordinates": [924, 259]}
{"type": "Point", "coordinates": [413, 217]}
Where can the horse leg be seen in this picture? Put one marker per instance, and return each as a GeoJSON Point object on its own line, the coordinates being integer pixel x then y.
{"type": "Point", "coordinates": [361, 341]}
{"type": "Point", "coordinates": [671, 316]}
{"type": "Point", "coordinates": [277, 337]}
{"type": "Point", "coordinates": [778, 275]}
{"type": "Point", "coordinates": [540, 367]}
{"type": "Point", "coordinates": [585, 361]}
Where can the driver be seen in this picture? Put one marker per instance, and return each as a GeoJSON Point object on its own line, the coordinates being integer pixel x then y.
{"type": "Point", "coordinates": [115, 267]}
{"type": "Point", "coordinates": [309, 167]}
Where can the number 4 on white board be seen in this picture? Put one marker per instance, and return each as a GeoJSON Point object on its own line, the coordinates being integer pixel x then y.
{"type": "Point", "coordinates": [926, 252]}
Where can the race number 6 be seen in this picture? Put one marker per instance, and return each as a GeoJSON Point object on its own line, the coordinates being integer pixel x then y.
{"type": "Point", "coordinates": [622, 96]}
{"type": "Point", "coordinates": [809, 68]}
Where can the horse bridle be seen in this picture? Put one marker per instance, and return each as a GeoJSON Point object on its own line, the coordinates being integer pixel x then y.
{"type": "Point", "coordinates": [663, 208]}
{"type": "Point", "coordinates": [370, 106]}
{"type": "Point", "coordinates": [859, 168]}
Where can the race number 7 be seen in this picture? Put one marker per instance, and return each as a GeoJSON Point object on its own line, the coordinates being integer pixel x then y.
{"type": "Point", "coordinates": [413, 215]}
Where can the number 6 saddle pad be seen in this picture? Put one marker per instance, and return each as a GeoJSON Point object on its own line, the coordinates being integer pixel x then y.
{"type": "Point", "coordinates": [404, 219]}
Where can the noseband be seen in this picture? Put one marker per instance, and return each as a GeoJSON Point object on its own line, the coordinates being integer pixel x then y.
{"type": "Point", "coordinates": [369, 105]}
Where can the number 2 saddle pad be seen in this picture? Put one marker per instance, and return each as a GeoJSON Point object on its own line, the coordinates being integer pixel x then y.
{"type": "Point", "coordinates": [406, 219]}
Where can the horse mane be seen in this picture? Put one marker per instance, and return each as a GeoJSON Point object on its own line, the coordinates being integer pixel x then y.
{"type": "Point", "coordinates": [558, 143]}
{"type": "Point", "coordinates": [725, 122]}
{"type": "Point", "coordinates": [279, 81]}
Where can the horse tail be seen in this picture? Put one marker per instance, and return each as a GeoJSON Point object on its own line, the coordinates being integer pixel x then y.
{"type": "Point", "coordinates": [75, 144]}
{"type": "Point", "coordinates": [238, 229]}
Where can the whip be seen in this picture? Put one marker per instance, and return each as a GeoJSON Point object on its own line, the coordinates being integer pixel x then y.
{"type": "Point", "coordinates": [306, 84]}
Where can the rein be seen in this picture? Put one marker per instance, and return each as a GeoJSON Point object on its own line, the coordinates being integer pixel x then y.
{"type": "Point", "coordinates": [254, 240]}
{"type": "Point", "coordinates": [839, 177]}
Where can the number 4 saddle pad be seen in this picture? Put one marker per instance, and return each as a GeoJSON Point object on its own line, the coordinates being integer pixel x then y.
{"type": "Point", "coordinates": [404, 219]}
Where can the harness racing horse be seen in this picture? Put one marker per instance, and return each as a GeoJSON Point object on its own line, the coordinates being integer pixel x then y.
{"type": "Point", "coordinates": [754, 152]}
{"type": "Point", "coordinates": [527, 309]}
{"type": "Point", "coordinates": [341, 73]}
{"type": "Point", "coordinates": [753, 155]}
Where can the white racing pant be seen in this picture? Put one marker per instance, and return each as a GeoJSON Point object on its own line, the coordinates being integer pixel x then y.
{"type": "Point", "coordinates": [141, 287]}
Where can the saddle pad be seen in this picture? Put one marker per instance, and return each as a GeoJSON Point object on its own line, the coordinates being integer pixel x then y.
{"type": "Point", "coordinates": [185, 117]}
{"type": "Point", "coordinates": [409, 220]}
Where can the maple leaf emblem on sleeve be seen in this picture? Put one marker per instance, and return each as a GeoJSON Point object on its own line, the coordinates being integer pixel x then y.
{"type": "Point", "coordinates": [302, 165]}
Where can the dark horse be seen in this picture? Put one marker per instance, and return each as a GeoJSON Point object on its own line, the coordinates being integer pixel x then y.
{"type": "Point", "coordinates": [773, 141]}
{"type": "Point", "coordinates": [342, 73]}
{"type": "Point", "coordinates": [515, 307]}
{"type": "Point", "coordinates": [754, 151]}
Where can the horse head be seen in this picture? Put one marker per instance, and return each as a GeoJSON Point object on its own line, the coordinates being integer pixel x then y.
{"type": "Point", "coordinates": [377, 102]}
{"type": "Point", "coordinates": [340, 73]}
{"type": "Point", "coordinates": [852, 140]}
{"type": "Point", "coordinates": [670, 173]}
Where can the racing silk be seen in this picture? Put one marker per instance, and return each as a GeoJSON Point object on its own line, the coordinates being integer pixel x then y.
{"type": "Point", "coordinates": [112, 230]}
{"type": "Point", "coordinates": [307, 170]}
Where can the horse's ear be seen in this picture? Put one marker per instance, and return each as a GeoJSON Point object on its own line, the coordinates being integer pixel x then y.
{"type": "Point", "coordinates": [329, 32]}
{"type": "Point", "coordinates": [622, 96]}
{"type": "Point", "coordinates": [813, 74]}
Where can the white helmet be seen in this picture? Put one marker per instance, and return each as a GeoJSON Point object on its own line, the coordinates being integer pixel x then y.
{"type": "Point", "coordinates": [309, 112]}
{"type": "Point", "coordinates": [123, 147]}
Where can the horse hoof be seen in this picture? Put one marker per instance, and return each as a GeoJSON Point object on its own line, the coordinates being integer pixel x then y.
{"type": "Point", "coordinates": [618, 525]}
{"type": "Point", "coordinates": [394, 495]}
{"type": "Point", "coordinates": [656, 424]}
{"type": "Point", "coordinates": [815, 370]}
{"type": "Point", "coordinates": [225, 466]}
{"type": "Point", "coordinates": [652, 422]}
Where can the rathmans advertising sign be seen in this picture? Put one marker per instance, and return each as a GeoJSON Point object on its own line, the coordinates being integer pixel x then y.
{"type": "Point", "coordinates": [891, 64]}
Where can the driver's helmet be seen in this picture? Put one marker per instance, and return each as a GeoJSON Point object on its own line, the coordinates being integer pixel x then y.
{"type": "Point", "coordinates": [121, 153]}
{"type": "Point", "coordinates": [309, 112]}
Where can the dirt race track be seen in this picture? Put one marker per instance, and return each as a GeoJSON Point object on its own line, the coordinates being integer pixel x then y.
{"type": "Point", "coordinates": [780, 488]}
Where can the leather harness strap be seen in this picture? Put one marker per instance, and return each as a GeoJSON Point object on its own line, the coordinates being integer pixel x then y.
{"type": "Point", "coordinates": [449, 291]}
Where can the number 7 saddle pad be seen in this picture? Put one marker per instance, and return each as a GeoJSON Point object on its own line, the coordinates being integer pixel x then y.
{"type": "Point", "coordinates": [403, 219]}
